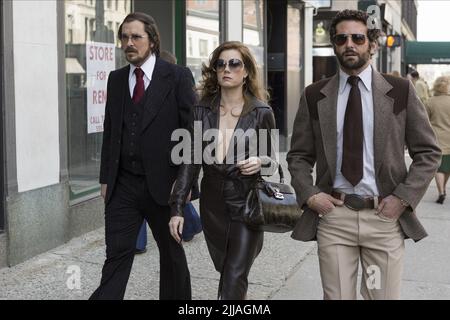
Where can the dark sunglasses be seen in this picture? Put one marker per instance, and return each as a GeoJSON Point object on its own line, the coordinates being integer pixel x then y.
{"type": "Point", "coordinates": [357, 38]}
{"type": "Point", "coordinates": [233, 64]}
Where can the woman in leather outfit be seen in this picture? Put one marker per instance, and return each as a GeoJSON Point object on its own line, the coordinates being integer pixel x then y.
{"type": "Point", "coordinates": [233, 108]}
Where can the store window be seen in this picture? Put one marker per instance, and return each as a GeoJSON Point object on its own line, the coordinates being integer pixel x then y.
{"type": "Point", "coordinates": [321, 36]}
{"type": "Point", "coordinates": [190, 47]}
{"type": "Point", "coordinates": [253, 33]}
{"type": "Point", "coordinates": [92, 51]}
{"type": "Point", "coordinates": [202, 32]}
{"type": "Point", "coordinates": [203, 48]}
{"type": "Point", "coordinates": [324, 60]}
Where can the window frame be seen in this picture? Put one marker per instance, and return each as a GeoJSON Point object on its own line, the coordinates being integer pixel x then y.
{"type": "Point", "coordinates": [92, 192]}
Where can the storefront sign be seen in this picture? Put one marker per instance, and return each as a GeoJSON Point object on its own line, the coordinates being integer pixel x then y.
{"type": "Point", "coordinates": [427, 52]}
{"type": "Point", "coordinates": [100, 61]}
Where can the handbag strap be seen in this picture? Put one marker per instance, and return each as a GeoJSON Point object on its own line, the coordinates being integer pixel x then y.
{"type": "Point", "coordinates": [280, 171]}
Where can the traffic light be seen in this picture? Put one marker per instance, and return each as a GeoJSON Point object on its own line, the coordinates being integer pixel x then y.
{"type": "Point", "coordinates": [393, 41]}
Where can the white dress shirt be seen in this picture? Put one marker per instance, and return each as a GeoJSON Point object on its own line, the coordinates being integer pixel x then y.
{"type": "Point", "coordinates": [367, 186]}
{"type": "Point", "coordinates": [147, 67]}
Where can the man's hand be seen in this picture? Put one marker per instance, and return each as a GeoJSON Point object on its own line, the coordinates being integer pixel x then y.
{"type": "Point", "coordinates": [323, 203]}
{"type": "Point", "coordinates": [176, 227]}
{"type": "Point", "coordinates": [103, 190]}
{"type": "Point", "coordinates": [391, 207]}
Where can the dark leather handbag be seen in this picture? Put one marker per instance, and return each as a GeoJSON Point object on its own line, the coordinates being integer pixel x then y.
{"type": "Point", "coordinates": [271, 206]}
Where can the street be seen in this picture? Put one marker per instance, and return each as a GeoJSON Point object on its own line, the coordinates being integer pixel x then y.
{"type": "Point", "coordinates": [285, 269]}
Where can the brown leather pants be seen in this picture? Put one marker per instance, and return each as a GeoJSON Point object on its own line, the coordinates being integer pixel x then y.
{"type": "Point", "coordinates": [232, 246]}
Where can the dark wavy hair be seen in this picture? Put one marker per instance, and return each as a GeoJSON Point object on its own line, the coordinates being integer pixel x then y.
{"type": "Point", "coordinates": [210, 89]}
{"type": "Point", "coordinates": [354, 15]}
{"type": "Point", "coordinates": [150, 28]}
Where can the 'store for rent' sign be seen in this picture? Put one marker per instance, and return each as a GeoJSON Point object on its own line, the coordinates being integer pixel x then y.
{"type": "Point", "coordinates": [100, 61]}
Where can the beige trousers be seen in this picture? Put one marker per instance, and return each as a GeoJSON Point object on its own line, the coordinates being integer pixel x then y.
{"type": "Point", "coordinates": [344, 238]}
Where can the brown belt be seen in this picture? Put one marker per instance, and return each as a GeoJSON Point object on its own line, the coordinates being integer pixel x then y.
{"type": "Point", "coordinates": [357, 202]}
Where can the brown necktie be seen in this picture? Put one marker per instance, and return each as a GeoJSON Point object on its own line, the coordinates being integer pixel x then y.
{"type": "Point", "coordinates": [352, 150]}
{"type": "Point", "coordinates": [139, 88]}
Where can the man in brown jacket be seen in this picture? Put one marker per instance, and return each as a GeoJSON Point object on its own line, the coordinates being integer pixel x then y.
{"type": "Point", "coordinates": [354, 128]}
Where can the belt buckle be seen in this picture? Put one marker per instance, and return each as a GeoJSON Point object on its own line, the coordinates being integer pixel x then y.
{"type": "Point", "coordinates": [354, 202]}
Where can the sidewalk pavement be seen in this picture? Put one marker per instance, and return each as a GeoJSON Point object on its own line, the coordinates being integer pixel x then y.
{"type": "Point", "coordinates": [285, 269]}
{"type": "Point", "coordinates": [426, 273]}
{"type": "Point", "coordinates": [51, 275]}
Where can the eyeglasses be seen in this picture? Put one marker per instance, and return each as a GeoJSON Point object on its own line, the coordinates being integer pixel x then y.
{"type": "Point", "coordinates": [133, 37]}
{"type": "Point", "coordinates": [357, 38]}
{"type": "Point", "coordinates": [233, 64]}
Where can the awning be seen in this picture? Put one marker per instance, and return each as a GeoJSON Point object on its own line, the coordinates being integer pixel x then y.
{"type": "Point", "coordinates": [423, 52]}
{"type": "Point", "coordinates": [73, 66]}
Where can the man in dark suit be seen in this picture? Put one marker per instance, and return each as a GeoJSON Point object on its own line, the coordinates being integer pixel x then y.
{"type": "Point", "coordinates": [353, 127]}
{"type": "Point", "coordinates": [146, 101]}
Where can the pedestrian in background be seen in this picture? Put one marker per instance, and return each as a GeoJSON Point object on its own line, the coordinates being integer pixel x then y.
{"type": "Point", "coordinates": [421, 86]}
{"type": "Point", "coordinates": [438, 108]}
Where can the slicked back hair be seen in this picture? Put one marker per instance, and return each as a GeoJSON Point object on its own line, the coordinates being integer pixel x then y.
{"type": "Point", "coordinates": [150, 28]}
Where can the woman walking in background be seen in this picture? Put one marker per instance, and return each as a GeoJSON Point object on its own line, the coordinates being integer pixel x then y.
{"type": "Point", "coordinates": [438, 108]}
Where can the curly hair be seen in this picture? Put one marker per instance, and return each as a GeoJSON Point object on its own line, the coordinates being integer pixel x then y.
{"type": "Point", "coordinates": [150, 28]}
{"type": "Point", "coordinates": [210, 88]}
{"type": "Point", "coordinates": [441, 86]}
{"type": "Point", "coordinates": [353, 15]}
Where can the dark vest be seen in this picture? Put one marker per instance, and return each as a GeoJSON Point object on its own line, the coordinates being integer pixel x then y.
{"type": "Point", "coordinates": [130, 153]}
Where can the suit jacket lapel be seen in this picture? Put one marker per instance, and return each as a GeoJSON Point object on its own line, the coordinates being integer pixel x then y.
{"type": "Point", "coordinates": [326, 109]}
{"type": "Point", "coordinates": [157, 90]}
{"type": "Point", "coordinates": [383, 111]}
{"type": "Point", "coordinates": [122, 85]}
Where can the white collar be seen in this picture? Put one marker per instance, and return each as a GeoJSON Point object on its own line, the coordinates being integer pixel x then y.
{"type": "Point", "coordinates": [365, 76]}
{"type": "Point", "coordinates": [147, 67]}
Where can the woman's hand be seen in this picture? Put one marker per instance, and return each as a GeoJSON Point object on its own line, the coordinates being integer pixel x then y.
{"type": "Point", "coordinates": [176, 227]}
{"type": "Point", "coordinates": [250, 166]}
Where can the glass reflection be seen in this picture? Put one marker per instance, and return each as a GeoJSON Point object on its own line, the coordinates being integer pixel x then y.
{"type": "Point", "coordinates": [95, 24]}
{"type": "Point", "coordinates": [202, 33]}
